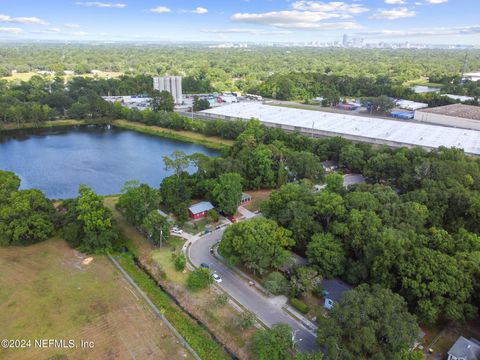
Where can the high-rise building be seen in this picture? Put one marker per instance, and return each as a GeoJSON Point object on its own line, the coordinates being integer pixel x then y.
{"type": "Point", "coordinates": [345, 40]}
{"type": "Point", "coordinates": [172, 84]}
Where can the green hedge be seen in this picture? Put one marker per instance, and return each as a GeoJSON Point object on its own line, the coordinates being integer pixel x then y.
{"type": "Point", "coordinates": [197, 338]}
{"type": "Point", "coordinates": [299, 305]}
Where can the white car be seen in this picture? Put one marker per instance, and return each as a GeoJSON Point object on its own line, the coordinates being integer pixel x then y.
{"type": "Point", "coordinates": [217, 278]}
{"type": "Point", "coordinates": [177, 230]}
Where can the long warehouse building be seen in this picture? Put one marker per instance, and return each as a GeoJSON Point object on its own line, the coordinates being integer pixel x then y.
{"type": "Point", "coordinates": [356, 128]}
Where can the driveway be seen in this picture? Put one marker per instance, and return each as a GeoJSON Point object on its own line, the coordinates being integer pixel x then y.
{"type": "Point", "coordinates": [249, 297]}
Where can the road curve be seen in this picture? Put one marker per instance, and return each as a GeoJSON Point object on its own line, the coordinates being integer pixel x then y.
{"type": "Point", "coordinates": [250, 298]}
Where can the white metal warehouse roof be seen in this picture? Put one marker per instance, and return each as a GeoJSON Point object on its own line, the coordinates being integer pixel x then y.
{"type": "Point", "coordinates": [365, 129]}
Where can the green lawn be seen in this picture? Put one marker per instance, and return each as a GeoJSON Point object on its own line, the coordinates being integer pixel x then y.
{"type": "Point", "coordinates": [165, 255]}
{"type": "Point", "coordinates": [197, 227]}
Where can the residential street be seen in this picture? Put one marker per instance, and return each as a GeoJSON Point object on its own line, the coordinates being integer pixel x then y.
{"type": "Point", "coordinates": [264, 308]}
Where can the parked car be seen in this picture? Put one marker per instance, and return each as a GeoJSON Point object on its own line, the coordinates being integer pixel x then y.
{"type": "Point", "coordinates": [232, 219]}
{"type": "Point", "coordinates": [205, 265]}
{"type": "Point", "coordinates": [217, 278]}
{"type": "Point", "coordinates": [177, 230]}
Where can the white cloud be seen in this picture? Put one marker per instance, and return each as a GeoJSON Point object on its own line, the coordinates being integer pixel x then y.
{"type": "Point", "coordinates": [393, 14]}
{"type": "Point", "coordinates": [307, 15]}
{"type": "Point", "coordinates": [101, 4]}
{"type": "Point", "coordinates": [161, 10]}
{"type": "Point", "coordinates": [394, 2]}
{"type": "Point", "coordinates": [436, 1]}
{"type": "Point", "coordinates": [22, 20]}
{"type": "Point", "coordinates": [294, 19]}
{"type": "Point", "coordinates": [246, 31]}
{"type": "Point", "coordinates": [71, 26]}
{"type": "Point", "coordinates": [9, 30]}
{"type": "Point", "coordinates": [199, 10]}
{"type": "Point", "coordinates": [335, 6]}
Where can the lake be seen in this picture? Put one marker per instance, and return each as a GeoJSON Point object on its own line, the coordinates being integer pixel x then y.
{"type": "Point", "coordinates": [56, 161]}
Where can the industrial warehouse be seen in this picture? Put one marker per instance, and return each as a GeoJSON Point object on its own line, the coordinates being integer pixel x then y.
{"type": "Point", "coordinates": [356, 128]}
{"type": "Point", "coordinates": [456, 115]}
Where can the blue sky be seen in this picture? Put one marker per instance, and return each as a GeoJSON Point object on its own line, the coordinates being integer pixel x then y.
{"type": "Point", "coordinates": [417, 21]}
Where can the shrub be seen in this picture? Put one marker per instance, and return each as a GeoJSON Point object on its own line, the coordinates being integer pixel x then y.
{"type": "Point", "coordinates": [221, 299]}
{"type": "Point", "coordinates": [212, 216]}
{"type": "Point", "coordinates": [299, 305]}
{"type": "Point", "coordinates": [180, 262]}
{"type": "Point", "coordinates": [276, 283]}
{"type": "Point", "coordinates": [246, 320]}
{"type": "Point", "coordinates": [199, 279]}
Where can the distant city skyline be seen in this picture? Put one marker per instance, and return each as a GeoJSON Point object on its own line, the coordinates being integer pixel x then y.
{"type": "Point", "coordinates": [258, 21]}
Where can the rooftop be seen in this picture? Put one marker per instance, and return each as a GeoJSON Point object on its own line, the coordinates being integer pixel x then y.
{"type": "Point", "coordinates": [200, 207]}
{"type": "Point", "coordinates": [456, 110]}
{"type": "Point", "coordinates": [359, 128]}
{"type": "Point", "coordinates": [465, 349]}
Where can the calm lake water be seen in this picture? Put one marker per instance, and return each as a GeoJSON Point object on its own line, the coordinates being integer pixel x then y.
{"type": "Point", "coordinates": [57, 161]}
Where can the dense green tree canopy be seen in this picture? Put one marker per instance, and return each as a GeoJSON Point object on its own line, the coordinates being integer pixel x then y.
{"type": "Point", "coordinates": [227, 193]}
{"type": "Point", "coordinates": [273, 344]}
{"type": "Point", "coordinates": [157, 227]}
{"type": "Point", "coordinates": [260, 244]}
{"type": "Point", "coordinates": [368, 323]}
{"type": "Point", "coordinates": [137, 200]}
{"type": "Point", "coordinates": [26, 216]}
{"type": "Point", "coordinates": [88, 225]}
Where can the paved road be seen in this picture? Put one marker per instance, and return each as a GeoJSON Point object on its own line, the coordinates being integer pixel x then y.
{"type": "Point", "coordinates": [249, 297]}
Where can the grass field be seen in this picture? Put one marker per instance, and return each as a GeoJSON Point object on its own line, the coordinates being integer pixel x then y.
{"type": "Point", "coordinates": [46, 292]}
{"type": "Point", "coordinates": [164, 256]}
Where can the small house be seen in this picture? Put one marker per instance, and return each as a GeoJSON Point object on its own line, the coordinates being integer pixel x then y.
{"type": "Point", "coordinates": [245, 199]}
{"type": "Point", "coordinates": [464, 349]}
{"type": "Point", "coordinates": [333, 291]}
{"type": "Point", "coordinates": [199, 210]}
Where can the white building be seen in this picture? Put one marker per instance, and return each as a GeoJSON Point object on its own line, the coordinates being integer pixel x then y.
{"type": "Point", "coordinates": [172, 84]}
{"type": "Point", "coordinates": [460, 97]}
{"type": "Point", "coordinates": [474, 76]}
{"type": "Point", "coordinates": [372, 130]}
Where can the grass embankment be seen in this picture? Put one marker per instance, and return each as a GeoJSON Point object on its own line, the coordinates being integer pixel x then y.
{"type": "Point", "coordinates": [212, 142]}
{"type": "Point", "coordinates": [42, 125]}
{"type": "Point", "coordinates": [48, 292]}
{"type": "Point", "coordinates": [197, 337]}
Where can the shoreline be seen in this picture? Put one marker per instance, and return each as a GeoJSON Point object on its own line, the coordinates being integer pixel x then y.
{"type": "Point", "coordinates": [214, 143]}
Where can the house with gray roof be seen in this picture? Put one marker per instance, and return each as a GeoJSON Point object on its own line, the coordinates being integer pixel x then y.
{"type": "Point", "coordinates": [199, 210]}
{"type": "Point", "coordinates": [464, 349]}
